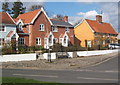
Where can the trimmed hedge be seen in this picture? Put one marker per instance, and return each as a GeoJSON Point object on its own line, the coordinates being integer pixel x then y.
{"type": "Point", "coordinates": [60, 48]}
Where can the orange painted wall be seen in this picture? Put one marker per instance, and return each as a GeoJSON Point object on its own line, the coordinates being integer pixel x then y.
{"type": "Point", "coordinates": [83, 32]}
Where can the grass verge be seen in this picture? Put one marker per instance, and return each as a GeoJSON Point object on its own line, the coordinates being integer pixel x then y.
{"type": "Point", "coordinates": [24, 81]}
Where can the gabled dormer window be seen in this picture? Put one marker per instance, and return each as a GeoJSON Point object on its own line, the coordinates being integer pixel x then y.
{"type": "Point", "coordinates": [41, 27]}
{"type": "Point", "coordinates": [54, 29]}
{"type": "Point", "coordinates": [67, 29]}
{"type": "Point", "coordinates": [2, 29]}
{"type": "Point", "coordinates": [20, 26]}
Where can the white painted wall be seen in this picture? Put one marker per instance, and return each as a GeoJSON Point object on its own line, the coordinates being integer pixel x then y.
{"type": "Point", "coordinates": [70, 54]}
{"type": "Point", "coordinates": [28, 57]}
{"type": "Point", "coordinates": [53, 55]}
{"type": "Point", "coordinates": [99, 52]}
{"type": "Point", "coordinates": [18, 57]}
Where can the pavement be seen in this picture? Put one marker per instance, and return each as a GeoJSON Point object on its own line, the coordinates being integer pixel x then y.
{"type": "Point", "coordinates": [104, 72]}
{"type": "Point", "coordinates": [60, 64]}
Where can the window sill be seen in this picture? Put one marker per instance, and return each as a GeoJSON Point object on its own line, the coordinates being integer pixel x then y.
{"type": "Point", "coordinates": [67, 31]}
{"type": "Point", "coordinates": [42, 30]}
{"type": "Point", "coordinates": [54, 31]}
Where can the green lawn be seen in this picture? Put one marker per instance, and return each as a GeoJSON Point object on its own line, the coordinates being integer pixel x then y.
{"type": "Point", "coordinates": [24, 81]}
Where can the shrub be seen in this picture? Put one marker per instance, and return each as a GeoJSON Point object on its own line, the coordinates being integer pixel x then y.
{"type": "Point", "coordinates": [39, 48]}
{"type": "Point", "coordinates": [59, 48]}
{"type": "Point", "coordinates": [74, 48]}
{"type": "Point", "coordinates": [30, 49]}
{"type": "Point", "coordinates": [8, 50]}
{"type": "Point", "coordinates": [22, 49]}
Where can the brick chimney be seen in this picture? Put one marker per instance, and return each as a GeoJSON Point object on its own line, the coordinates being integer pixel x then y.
{"type": "Point", "coordinates": [66, 18]}
{"type": "Point", "coordinates": [99, 18]}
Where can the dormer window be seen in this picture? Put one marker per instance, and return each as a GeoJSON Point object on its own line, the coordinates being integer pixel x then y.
{"type": "Point", "coordinates": [103, 35]}
{"type": "Point", "coordinates": [67, 29]}
{"type": "Point", "coordinates": [2, 29]}
{"type": "Point", "coordinates": [108, 35]}
{"type": "Point", "coordinates": [41, 27]}
{"type": "Point", "coordinates": [96, 34]}
{"type": "Point", "coordinates": [54, 29]}
{"type": "Point", "coordinates": [20, 26]}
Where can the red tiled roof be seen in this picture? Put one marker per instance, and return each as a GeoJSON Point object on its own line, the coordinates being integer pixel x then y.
{"type": "Point", "coordinates": [5, 18]}
{"type": "Point", "coordinates": [25, 30]}
{"type": "Point", "coordinates": [10, 33]}
{"type": "Point", "coordinates": [16, 19]}
{"type": "Point", "coordinates": [28, 17]}
{"type": "Point", "coordinates": [101, 27]}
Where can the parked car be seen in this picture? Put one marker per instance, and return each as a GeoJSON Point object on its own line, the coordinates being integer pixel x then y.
{"type": "Point", "coordinates": [114, 46]}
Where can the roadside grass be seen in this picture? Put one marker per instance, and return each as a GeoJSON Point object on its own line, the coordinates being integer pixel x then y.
{"type": "Point", "coordinates": [24, 81]}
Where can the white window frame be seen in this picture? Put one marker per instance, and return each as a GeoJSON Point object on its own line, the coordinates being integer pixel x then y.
{"type": "Point", "coordinates": [20, 26]}
{"type": "Point", "coordinates": [54, 29]}
{"type": "Point", "coordinates": [89, 43]}
{"type": "Point", "coordinates": [45, 40]}
{"type": "Point", "coordinates": [41, 28]}
{"type": "Point", "coordinates": [3, 28]}
{"type": "Point", "coordinates": [67, 29]}
{"type": "Point", "coordinates": [21, 41]}
{"type": "Point", "coordinates": [39, 41]}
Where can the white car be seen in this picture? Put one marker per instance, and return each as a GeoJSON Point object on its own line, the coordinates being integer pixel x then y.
{"type": "Point", "coordinates": [114, 46]}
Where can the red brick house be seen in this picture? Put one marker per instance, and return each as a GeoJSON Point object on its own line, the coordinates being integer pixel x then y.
{"type": "Point", "coordinates": [36, 28]}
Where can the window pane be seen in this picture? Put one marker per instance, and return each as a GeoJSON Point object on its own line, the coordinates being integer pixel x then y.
{"type": "Point", "coordinates": [42, 27]}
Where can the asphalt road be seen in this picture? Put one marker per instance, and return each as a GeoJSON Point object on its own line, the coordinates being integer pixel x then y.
{"type": "Point", "coordinates": [106, 72]}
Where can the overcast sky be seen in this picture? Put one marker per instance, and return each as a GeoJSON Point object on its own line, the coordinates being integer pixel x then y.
{"type": "Point", "coordinates": [78, 9]}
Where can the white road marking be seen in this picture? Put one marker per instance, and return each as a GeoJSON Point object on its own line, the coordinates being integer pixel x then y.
{"type": "Point", "coordinates": [107, 71]}
{"type": "Point", "coordinates": [97, 78]}
{"type": "Point", "coordinates": [36, 75]}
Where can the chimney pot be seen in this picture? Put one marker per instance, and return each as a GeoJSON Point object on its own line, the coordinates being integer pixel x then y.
{"type": "Point", "coordinates": [66, 18]}
{"type": "Point", "coordinates": [99, 18]}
